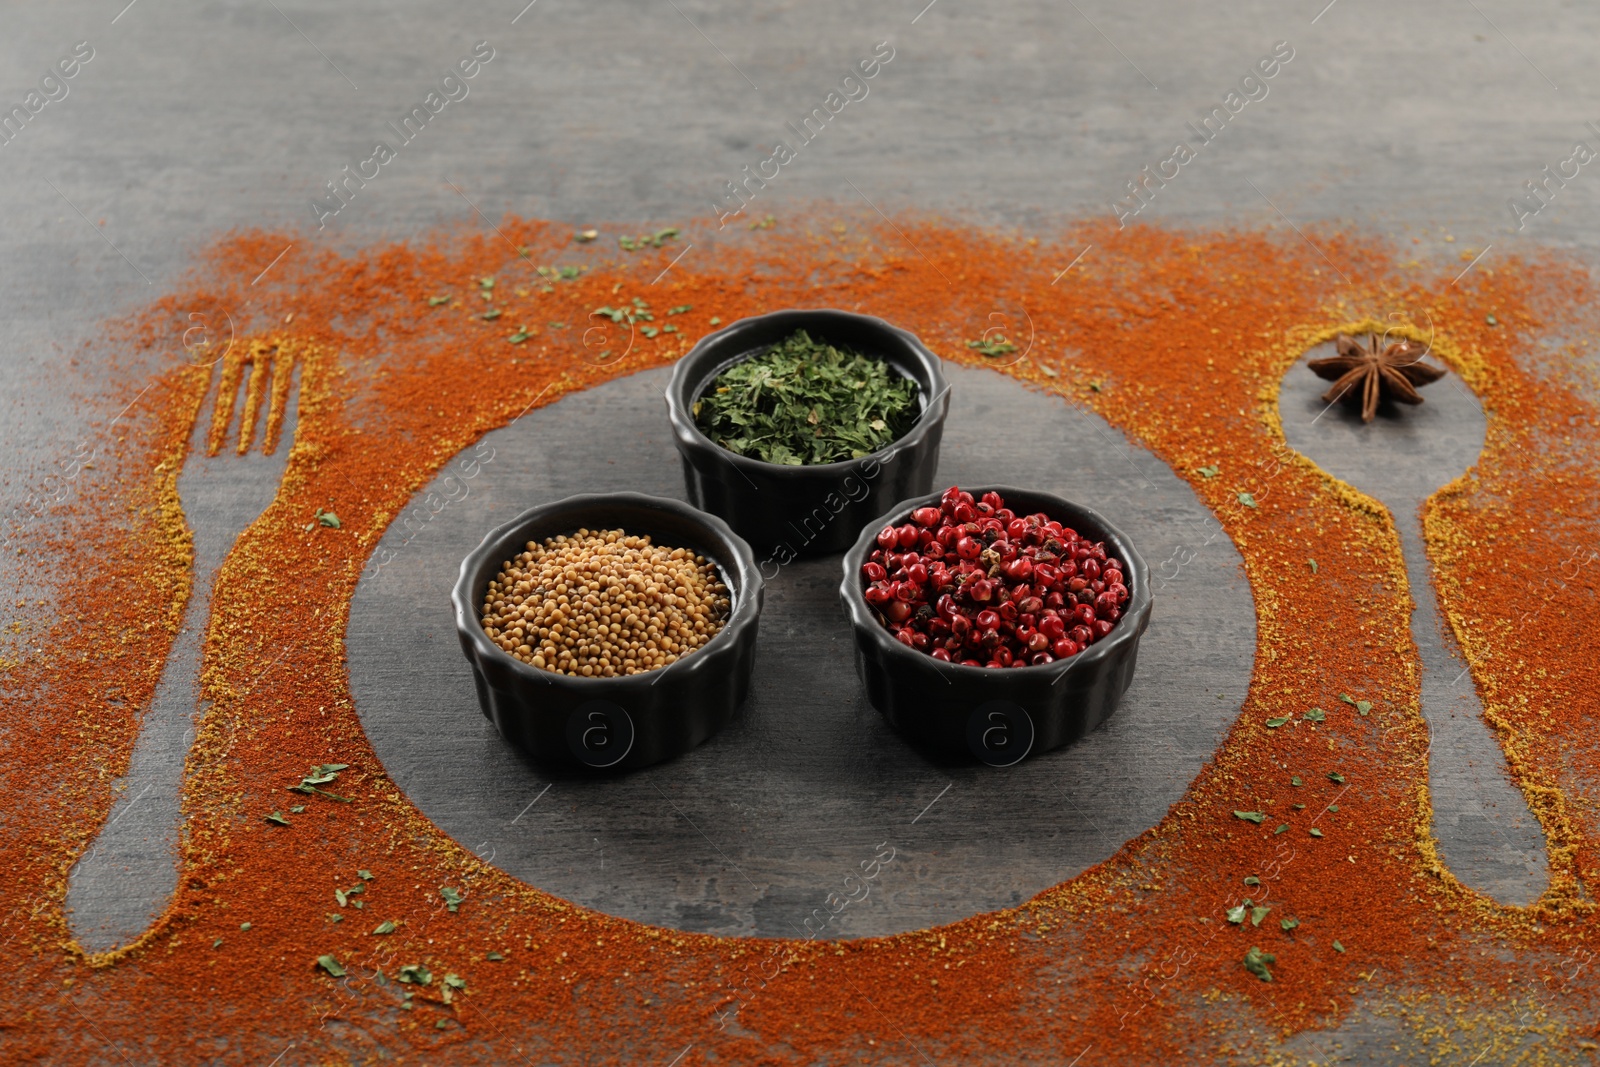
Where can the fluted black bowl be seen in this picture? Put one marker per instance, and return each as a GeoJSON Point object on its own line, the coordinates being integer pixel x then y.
{"type": "Point", "coordinates": [806, 510]}
{"type": "Point", "coordinates": [998, 715]}
{"type": "Point", "coordinates": [624, 722]}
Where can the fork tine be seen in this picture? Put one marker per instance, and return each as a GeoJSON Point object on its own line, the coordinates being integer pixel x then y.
{"type": "Point", "coordinates": [279, 410]}
{"type": "Point", "coordinates": [261, 359]}
{"type": "Point", "coordinates": [227, 398]}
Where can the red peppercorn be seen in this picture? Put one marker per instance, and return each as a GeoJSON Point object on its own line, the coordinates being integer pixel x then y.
{"type": "Point", "coordinates": [1019, 569]}
{"type": "Point", "coordinates": [1050, 596]}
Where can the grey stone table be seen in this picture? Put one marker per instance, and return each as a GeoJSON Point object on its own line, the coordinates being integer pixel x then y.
{"type": "Point", "coordinates": [1418, 121]}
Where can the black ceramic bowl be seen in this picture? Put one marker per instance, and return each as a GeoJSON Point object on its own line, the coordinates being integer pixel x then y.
{"type": "Point", "coordinates": [625, 722]}
{"type": "Point", "coordinates": [817, 509]}
{"type": "Point", "coordinates": [998, 715]}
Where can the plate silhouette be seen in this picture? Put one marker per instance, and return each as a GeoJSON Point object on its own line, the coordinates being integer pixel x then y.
{"type": "Point", "coordinates": [772, 826]}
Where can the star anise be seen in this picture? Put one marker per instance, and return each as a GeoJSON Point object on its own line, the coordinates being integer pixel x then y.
{"type": "Point", "coordinates": [1366, 374]}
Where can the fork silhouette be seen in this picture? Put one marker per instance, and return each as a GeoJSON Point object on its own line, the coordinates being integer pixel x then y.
{"type": "Point", "coordinates": [124, 882]}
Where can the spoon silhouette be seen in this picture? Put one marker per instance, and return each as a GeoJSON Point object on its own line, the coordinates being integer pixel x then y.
{"type": "Point", "coordinates": [1486, 833]}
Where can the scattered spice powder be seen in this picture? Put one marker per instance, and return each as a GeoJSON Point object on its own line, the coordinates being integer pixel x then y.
{"type": "Point", "coordinates": [1130, 959]}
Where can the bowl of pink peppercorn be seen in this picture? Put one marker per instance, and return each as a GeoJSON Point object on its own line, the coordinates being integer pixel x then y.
{"type": "Point", "coordinates": [997, 622]}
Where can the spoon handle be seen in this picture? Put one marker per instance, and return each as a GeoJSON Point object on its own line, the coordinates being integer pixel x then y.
{"type": "Point", "coordinates": [1464, 754]}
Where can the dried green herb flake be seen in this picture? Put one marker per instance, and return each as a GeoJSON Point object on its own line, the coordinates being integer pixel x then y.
{"type": "Point", "coordinates": [807, 402]}
{"type": "Point", "coordinates": [1255, 961]}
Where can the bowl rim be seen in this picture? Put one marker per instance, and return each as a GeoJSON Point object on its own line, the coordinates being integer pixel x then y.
{"type": "Point", "coordinates": [742, 569]}
{"type": "Point", "coordinates": [1137, 616]}
{"type": "Point", "coordinates": [690, 433]}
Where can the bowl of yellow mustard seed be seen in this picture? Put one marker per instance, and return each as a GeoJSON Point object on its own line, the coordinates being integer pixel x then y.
{"type": "Point", "coordinates": [609, 631]}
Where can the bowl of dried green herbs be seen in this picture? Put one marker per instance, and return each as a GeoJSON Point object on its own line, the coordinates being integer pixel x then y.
{"type": "Point", "coordinates": [799, 427]}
